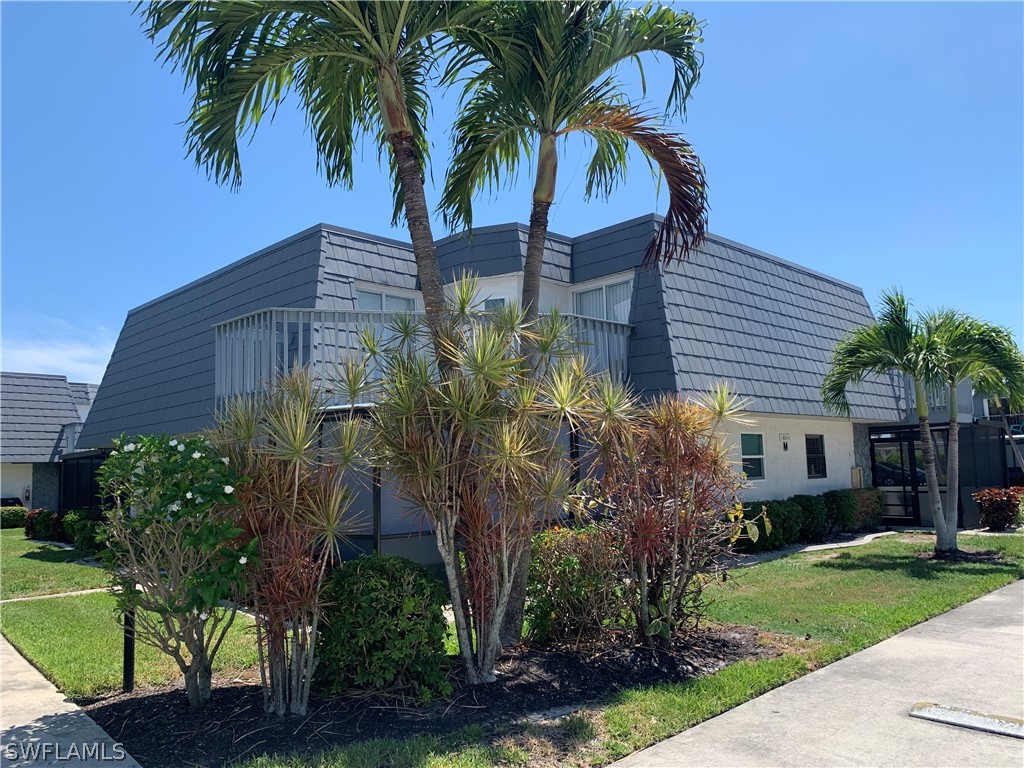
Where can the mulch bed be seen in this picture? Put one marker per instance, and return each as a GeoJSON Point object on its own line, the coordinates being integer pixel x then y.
{"type": "Point", "coordinates": [157, 727]}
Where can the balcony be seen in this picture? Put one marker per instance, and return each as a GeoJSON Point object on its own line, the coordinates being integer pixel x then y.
{"type": "Point", "coordinates": [252, 350]}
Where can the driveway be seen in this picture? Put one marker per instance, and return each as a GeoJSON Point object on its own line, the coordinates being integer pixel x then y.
{"type": "Point", "coordinates": [855, 712]}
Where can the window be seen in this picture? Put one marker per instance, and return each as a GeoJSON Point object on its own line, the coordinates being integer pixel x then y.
{"type": "Point", "coordinates": [371, 301]}
{"type": "Point", "coordinates": [608, 302]}
{"type": "Point", "coordinates": [815, 456]}
{"type": "Point", "coordinates": [493, 305]}
{"type": "Point", "coordinates": [752, 450]}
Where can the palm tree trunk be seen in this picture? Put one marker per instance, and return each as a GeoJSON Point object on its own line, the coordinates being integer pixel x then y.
{"type": "Point", "coordinates": [417, 214]}
{"type": "Point", "coordinates": [930, 473]}
{"type": "Point", "coordinates": [543, 195]}
{"type": "Point", "coordinates": [953, 469]}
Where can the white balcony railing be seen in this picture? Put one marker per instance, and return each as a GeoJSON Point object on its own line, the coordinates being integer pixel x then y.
{"type": "Point", "coordinates": [252, 350]}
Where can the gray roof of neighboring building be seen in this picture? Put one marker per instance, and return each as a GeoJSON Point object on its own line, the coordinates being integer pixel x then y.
{"type": "Point", "coordinates": [501, 249]}
{"type": "Point", "coordinates": [82, 393]}
{"type": "Point", "coordinates": [34, 408]}
{"type": "Point", "coordinates": [767, 327]}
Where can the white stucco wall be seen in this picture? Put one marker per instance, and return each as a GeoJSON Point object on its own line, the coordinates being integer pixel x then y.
{"type": "Point", "coordinates": [785, 471]}
{"type": "Point", "coordinates": [15, 479]}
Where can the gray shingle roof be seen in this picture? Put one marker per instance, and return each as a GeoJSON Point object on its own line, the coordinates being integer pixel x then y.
{"type": "Point", "coordinates": [34, 408]}
{"type": "Point", "coordinates": [768, 328]}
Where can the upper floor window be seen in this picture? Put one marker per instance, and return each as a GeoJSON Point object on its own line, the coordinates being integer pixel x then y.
{"type": "Point", "coordinates": [493, 305]}
{"type": "Point", "coordinates": [752, 451]}
{"type": "Point", "coordinates": [372, 301]}
{"type": "Point", "coordinates": [815, 456]}
{"type": "Point", "coordinates": [606, 302]}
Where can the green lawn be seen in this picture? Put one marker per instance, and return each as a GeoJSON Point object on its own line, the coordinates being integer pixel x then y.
{"type": "Point", "coordinates": [77, 643]}
{"type": "Point", "coordinates": [32, 568]}
{"type": "Point", "coordinates": [845, 600]}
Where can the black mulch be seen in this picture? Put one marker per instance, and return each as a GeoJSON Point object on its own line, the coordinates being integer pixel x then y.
{"type": "Point", "coordinates": [157, 727]}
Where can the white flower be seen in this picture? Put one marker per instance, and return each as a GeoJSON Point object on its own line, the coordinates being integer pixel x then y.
{"type": "Point", "coordinates": [188, 495]}
{"type": "Point", "coordinates": [225, 460]}
{"type": "Point", "coordinates": [174, 507]}
{"type": "Point", "coordinates": [229, 489]}
{"type": "Point", "coordinates": [129, 448]}
{"type": "Point", "coordinates": [204, 616]}
{"type": "Point", "coordinates": [181, 448]}
{"type": "Point", "coordinates": [173, 443]}
{"type": "Point", "coordinates": [197, 455]}
{"type": "Point", "coordinates": [168, 518]}
{"type": "Point", "coordinates": [243, 560]}
{"type": "Point", "coordinates": [133, 513]}
{"type": "Point", "coordinates": [195, 611]}
{"type": "Point", "coordinates": [113, 453]}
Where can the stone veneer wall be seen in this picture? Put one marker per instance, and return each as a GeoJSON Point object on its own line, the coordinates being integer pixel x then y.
{"type": "Point", "coordinates": [862, 452]}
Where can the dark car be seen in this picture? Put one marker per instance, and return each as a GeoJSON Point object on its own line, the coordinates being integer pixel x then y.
{"type": "Point", "coordinates": [892, 474]}
{"type": "Point", "coordinates": [11, 501]}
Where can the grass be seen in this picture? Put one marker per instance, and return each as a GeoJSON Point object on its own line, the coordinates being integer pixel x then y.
{"type": "Point", "coordinates": [76, 642]}
{"type": "Point", "coordinates": [843, 600]}
{"type": "Point", "coordinates": [33, 568]}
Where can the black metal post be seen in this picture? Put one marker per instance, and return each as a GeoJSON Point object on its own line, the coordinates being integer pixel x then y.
{"type": "Point", "coordinates": [128, 674]}
{"type": "Point", "coordinates": [376, 510]}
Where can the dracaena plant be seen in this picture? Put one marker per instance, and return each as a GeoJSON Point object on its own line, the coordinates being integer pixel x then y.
{"type": "Point", "coordinates": [478, 450]}
{"type": "Point", "coordinates": [670, 495]}
{"type": "Point", "coordinates": [175, 549]}
{"type": "Point", "coordinates": [296, 506]}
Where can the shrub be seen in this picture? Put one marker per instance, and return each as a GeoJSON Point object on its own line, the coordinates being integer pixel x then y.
{"type": "Point", "coordinates": [812, 522]}
{"type": "Point", "coordinates": [785, 519]}
{"type": "Point", "coordinates": [870, 506]}
{"type": "Point", "coordinates": [1001, 508]}
{"type": "Point", "coordinates": [840, 510]}
{"type": "Point", "coordinates": [45, 525]}
{"type": "Point", "coordinates": [12, 517]}
{"type": "Point", "coordinates": [383, 628]}
{"type": "Point", "coordinates": [575, 583]}
{"type": "Point", "coordinates": [83, 528]}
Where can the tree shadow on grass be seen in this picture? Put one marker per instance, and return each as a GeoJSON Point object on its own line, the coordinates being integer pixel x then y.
{"type": "Point", "coordinates": [919, 566]}
{"type": "Point", "coordinates": [51, 554]}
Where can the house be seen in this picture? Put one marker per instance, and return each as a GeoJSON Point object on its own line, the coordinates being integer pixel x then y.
{"type": "Point", "coordinates": [729, 313]}
{"type": "Point", "coordinates": [40, 416]}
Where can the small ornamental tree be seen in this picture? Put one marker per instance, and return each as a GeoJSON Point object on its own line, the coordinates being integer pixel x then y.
{"type": "Point", "coordinates": [477, 448]}
{"type": "Point", "coordinates": [175, 553]}
{"type": "Point", "coordinates": [295, 506]}
{"type": "Point", "coordinates": [671, 493]}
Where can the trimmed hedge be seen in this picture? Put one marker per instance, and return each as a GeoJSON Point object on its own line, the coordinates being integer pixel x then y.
{"type": "Point", "coordinates": [870, 506]}
{"type": "Point", "coordinates": [786, 519]}
{"type": "Point", "coordinates": [812, 524]}
{"type": "Point", "coordinates": [383, 628]}
{"type": "Point", "coordinates": [45, 525]}
{"type": "Point", "coordinates": [12, 517]}
{"type": "Point", "coordinates": [82, 527]}
{"type": "Point", "coordinates": [1001, 508]}
{"type": "Point", "coordinates": [840, 511]}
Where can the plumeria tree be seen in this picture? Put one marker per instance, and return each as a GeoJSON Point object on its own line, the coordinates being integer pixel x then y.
{"type": "Point", "coordinates": [176, 555]}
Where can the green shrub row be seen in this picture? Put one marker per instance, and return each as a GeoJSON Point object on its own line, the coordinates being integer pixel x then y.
{"type": "Point", "coordinates": [12, 517]}
{"type": "Point", "coordinates": [812, 519]}
{"type": "Point", "coordinates": [45, 525]}
{"type": "Point", "coordinates": [82, 528]}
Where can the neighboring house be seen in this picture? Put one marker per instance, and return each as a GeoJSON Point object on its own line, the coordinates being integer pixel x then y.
{"type": "Point", "coordinates": [40, 416]}
{"type": "Point", "coordinates": [729, 313]}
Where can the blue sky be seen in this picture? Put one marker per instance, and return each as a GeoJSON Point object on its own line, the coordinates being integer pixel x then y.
{"type": "Point", "coordinates": [881, 143]}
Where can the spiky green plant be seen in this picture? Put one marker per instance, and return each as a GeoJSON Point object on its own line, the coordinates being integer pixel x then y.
{"type": "Point", "coordinates": [478, 450]}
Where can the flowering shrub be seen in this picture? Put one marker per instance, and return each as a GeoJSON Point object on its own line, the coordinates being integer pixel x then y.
{"type": "Point", "coordinates": [174, 548]}
{"type": "Point", "coordinates": [44, 525]}
{"type": "Point", "coordinates": [1001, 508]}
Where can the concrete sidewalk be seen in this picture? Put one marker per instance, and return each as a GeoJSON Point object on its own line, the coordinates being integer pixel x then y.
{"type": "Point", "coordinates": [855, 712]}
{"type": "Point", "coordinates": [39, 726]}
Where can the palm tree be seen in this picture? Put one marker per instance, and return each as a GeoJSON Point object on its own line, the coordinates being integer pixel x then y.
{"type": "Point", "coordinates": [898, 343]}
{"type": "Point", "coordinates": [358, 68]}
{"type": "Point", "coordinates": [985, 355]}
{"type": "Point", "coordinates": [549, 71]}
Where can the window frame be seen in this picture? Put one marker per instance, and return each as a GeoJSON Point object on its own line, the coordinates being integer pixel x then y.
{"type": "Point", "coordinates": [384, 293]}
{"type": "Point", "coordinates": [756, 456]}
{"type": "Point", "coordinates": [808, 455]}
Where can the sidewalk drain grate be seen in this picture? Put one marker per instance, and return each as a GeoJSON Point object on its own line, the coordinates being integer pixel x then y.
{"type": "Point", "coordinates": [967, 718]}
